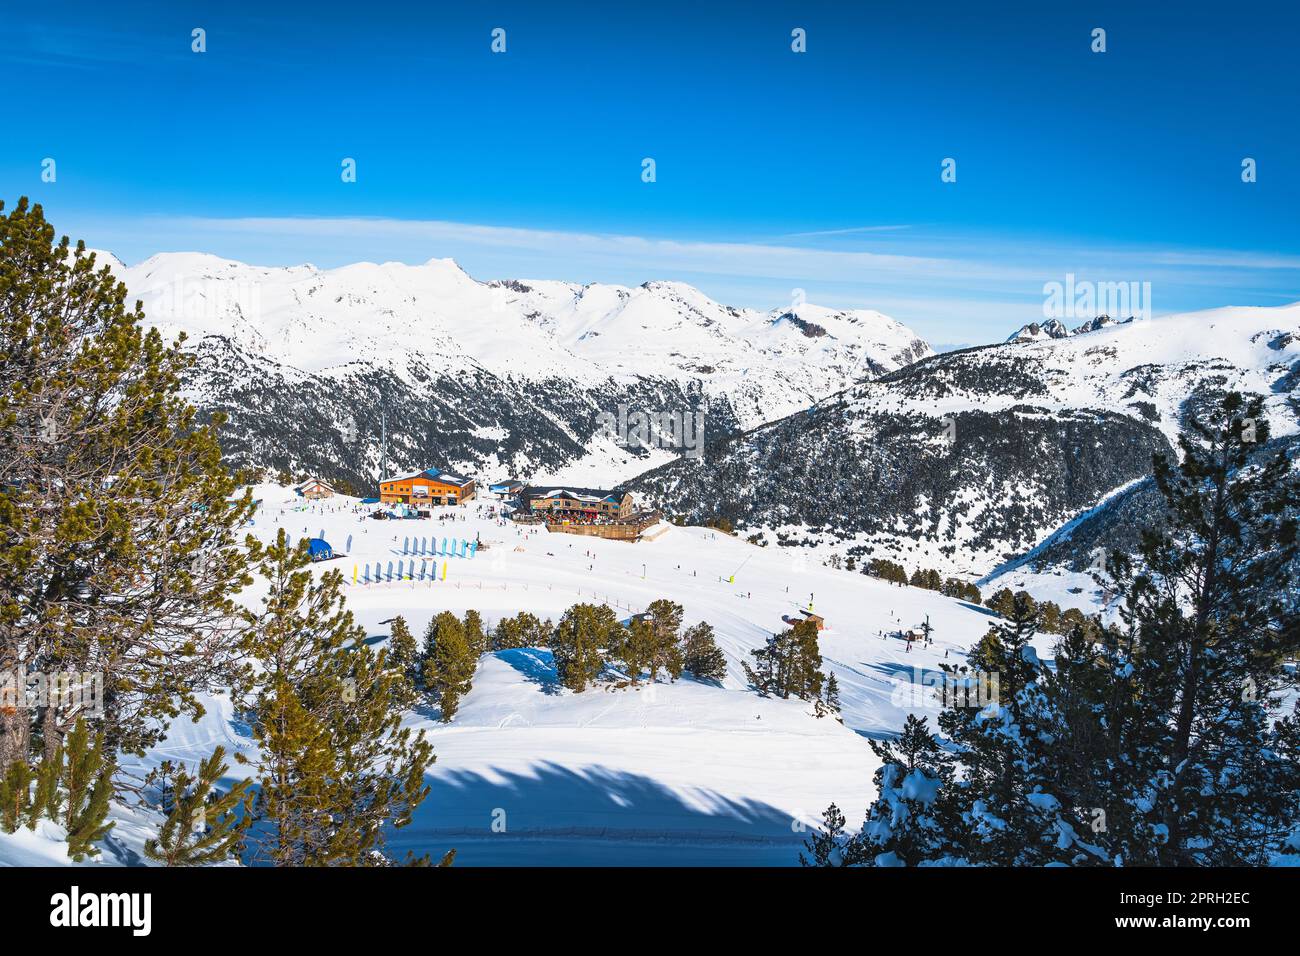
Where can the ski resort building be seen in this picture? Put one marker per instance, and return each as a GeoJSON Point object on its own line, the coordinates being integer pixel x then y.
{"type": "Point", "coordinates": [568, 502]}
{"type": "Point", "coordinates": [314, 488]}
{"type": "Point", "coordinates": [426, 488]}
{"type": "Point", "coordinates": [589, 511]}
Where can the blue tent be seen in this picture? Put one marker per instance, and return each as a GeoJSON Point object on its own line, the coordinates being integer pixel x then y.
{"type": "Point", "coordinates": [319, 549]}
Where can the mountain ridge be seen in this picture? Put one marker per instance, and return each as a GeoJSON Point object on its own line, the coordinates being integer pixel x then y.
{"type": "Point", "coordinates": [499, 376]}
{"type": "Point", "coordinates": [964, 461]}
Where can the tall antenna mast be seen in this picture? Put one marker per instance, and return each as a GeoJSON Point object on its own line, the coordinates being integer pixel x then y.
{"type": "Point", "coordinates": [383, 441]}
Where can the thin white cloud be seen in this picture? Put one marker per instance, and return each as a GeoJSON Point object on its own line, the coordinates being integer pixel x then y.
{"type": "Point", "coordinates": [657, 258]}
{"type": "Point", "coordinates": [950, 288]}
{"type": "Point", "coordinates": [853, 230]}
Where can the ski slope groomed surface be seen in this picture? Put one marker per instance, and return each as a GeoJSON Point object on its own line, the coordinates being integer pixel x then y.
{"type": "Point", "coordinates": [683, 773]}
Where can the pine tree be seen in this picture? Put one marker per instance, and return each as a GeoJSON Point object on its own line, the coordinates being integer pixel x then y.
{"type": "Point", "coordinates": [72, 787]}
{"type": "Point", "coordinates": [647, 644]}
{"type": "Point", "coordinates": [1050, 617]}
{"type": "Point", "coordinates": [537, 635]}
{"type": "Point", "coordinates": [505, 636]}
{"type": "Point", "coordinates": [666, 620]}
{"type": "Point", "coordinates": [701, 654]}
{"type": "Point", "coordinates": [831, 845]}
{"type": "Point", "coordinates": [87, 783]}
{"type": "Point", "coordinates": [334, 767]}
{"type": "Point", "coordinates": [15, 796]}
{"type": "Point", "coordinates": [404, 659]}
{"type": "Point", "coordinates": [45, 801]}
{"type": "Point", "coordinates": [957, 588]}
{"type": "Point", "coordinates": [117, 519]}
{"type": "Point", "coordinates": [1002, 601]}
{"type": "Point", "coordinates": [1210, 615]}
{"type": "Point", "coordinates": [830, 700]}
{"type": "Point", "coordinates": [520, 631]}
{"type": "Point", "coordinates": [1092, 723]}
{"type": "Point", "coordinates": [449, 662]}
{"type": "Point", "coordinates": [1012, 818]}
{"type": "Point", "coordinates": [584, 634]}
{"type": "Point", "coordinates": [886, 570]}
{"type": "Point", "coordinates": [1154, 741]}
{"type": "Point", "coordinates": [202, 827]}
{"type": "Point", "coordinates": [633, 647]}
{"type": "Point", "coordinates": [788, 665]}
{"type": "Point", "coordinates": [475, 636]}
{"type": "Point", "coordinates": [927, 578]}
{"type": "Point", "coordinates": [913, 818]}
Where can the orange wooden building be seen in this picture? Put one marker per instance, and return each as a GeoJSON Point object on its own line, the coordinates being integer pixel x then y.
{"type": "Point", "coordinates": [426, 488]}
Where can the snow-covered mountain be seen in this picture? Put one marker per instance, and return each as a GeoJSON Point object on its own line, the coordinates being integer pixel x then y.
{"type": "Point", "coordinates": [969, 459]}
{"type": "Point", "coordinates": [1146, 369]}
{"type": "Point", "coordinates": [835, 428]}
{"type": "Point", "coordinates": [495, 377]}
{"type": "Point", "coordinates": [1056, 329]}
{"type": "Point", "coordinates": [1037, 332]}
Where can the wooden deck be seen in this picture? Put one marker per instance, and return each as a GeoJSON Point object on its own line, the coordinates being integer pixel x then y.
{"type": "Point", "coordinates": [627, 529]}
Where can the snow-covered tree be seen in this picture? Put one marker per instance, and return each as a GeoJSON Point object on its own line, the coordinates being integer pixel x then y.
{"type": "Point", "coordinates": [1156, 740]}
{"type": "Point", "coordinates": [912, 820]}
{"type": "Point", "coordinates": [1210, 614]}
{"type": "Point", "coordinates": [832, 844]}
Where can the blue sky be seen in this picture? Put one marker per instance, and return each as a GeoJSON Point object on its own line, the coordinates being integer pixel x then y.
{"type": "Point", "coordinates": [775, 170]}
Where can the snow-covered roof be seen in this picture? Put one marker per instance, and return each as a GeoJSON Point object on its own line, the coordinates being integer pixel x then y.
{"type": "Point", "coordinates": [422, 473]}
{"type": "Point", "coordinates": [430, 473]}
{"type": "Point", "coordinates": [580, 494]}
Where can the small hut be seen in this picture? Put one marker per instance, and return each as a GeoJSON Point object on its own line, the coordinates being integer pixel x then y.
{"type": "Point", "coordinates": [314, 488]}
{"type": "Point", "coordinates": [815, 618]}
